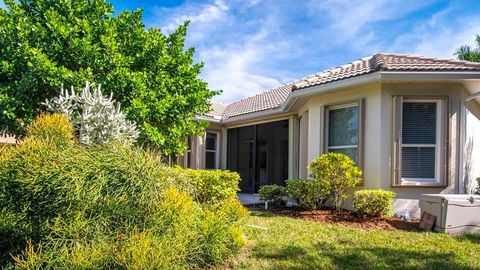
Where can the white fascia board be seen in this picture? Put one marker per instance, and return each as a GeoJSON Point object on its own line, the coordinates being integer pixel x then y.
{"type": "Point", "coordinates": [208, 119]}
{"type": "Point", "coordinates": [251, 116]}
{"type": "Point", "coordinates": [430, 75]}
{"type": "Point", "coordinates": [325, 88]}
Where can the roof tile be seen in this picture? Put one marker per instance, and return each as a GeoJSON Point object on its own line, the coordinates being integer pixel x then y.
{"type": "Point", "coordinates": [274, 97]}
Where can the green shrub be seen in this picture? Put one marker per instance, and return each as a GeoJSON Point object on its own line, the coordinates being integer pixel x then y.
{"type": "Point", "coordinates": [336, 173]}
{"type": "Point", "coordinates": [111, 207]}
{"type": "Point", "coordinates": [273, 193]}
{"type": "Point", "coordinates": [373, 203]}
{"type": "Point", "coordinates": [54, 128]}
{"type": "Point", "coordinates": [306, 194]}
{"type": "Point", "coordinates": [211, 185]}
{"type": "Point", "coordinates": [478, 186]}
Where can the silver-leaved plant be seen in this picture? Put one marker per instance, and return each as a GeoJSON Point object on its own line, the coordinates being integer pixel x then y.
{"type": "Point", "coordinates": [97, 118]}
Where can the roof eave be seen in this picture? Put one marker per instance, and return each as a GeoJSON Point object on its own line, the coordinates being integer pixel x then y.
{"type": "Point", "coordinates": [380, 76]}
{"type": "Point", "coordinates": [377, 76]}
{"type": "Point", "coordinates": [208, 119]}
{"type": "Point", "coordinates": [251, 116]}
{"type": "Point", "coordinates": [328, 87]}
{"type": "Point", "coordinates": [430, 75]}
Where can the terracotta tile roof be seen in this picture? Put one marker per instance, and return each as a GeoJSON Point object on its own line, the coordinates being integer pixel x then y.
{"type": "Point", "coordinates": [217, 110]}
{"type": "Point", "coordinates": [273, 98]}
{"type": "Point", "coordinates": [385, 62]}
{"type": "Point", "coordinates": [264, 101]}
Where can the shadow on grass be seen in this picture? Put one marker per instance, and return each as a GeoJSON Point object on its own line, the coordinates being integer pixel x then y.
{"type": "Point", "coordinates": [262, 213]}
{"type": "Point", "coordinates": [325, 256]}
{"type": "Point", "coordinates": [471, 237]}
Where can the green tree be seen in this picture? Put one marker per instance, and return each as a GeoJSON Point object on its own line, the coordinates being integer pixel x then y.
{"type": "Point", "coordinates": [45, 43]}
{"type": "Point", "coordinates": [468, 53]}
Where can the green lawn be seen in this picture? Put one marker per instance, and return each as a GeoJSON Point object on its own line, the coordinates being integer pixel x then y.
{"type": "Point", "coordinates": [278, 242]}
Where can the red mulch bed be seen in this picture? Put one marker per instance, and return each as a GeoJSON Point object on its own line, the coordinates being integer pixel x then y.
{"type": "Point", "coordinates": [349, 219]}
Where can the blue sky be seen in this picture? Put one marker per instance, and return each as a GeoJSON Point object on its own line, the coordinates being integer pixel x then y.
{"type": "Point", "coordinates": [249, 46]}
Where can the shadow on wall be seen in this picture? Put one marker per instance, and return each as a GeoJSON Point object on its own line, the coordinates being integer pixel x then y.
{"type": "Point", "coordinates": [471, 152]}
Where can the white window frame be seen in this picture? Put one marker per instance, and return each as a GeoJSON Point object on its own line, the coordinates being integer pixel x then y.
{"type": "Point", "coordinates": [360, 123]}
{"type": "Point", "coordinates": [440, 143]}
{"type": "Point", "coordinates": [436, 146]}
{"type": "Point", "coordinates": [217, 151]}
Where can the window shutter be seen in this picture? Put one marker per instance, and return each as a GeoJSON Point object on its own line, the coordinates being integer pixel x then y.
{"type": "Point", "coordinates": [397, 139]}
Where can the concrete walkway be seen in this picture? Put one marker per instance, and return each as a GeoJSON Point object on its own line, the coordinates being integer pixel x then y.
{"type": "Point", "coordinates": [249, 199]}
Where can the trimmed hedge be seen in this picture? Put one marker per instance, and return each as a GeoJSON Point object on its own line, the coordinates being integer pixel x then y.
{"type": "Point", "coordinates": [336, 173]}
{"type": "Point", "coordinates": [273, 193]}
{"type": "Point", "coordinates": [67, 206]}
{"type": "Point", "coordinates": [373, 203]}
{"type": "Point", "coordinates": [211, 186]}
{"type": "Point", "coordinates": [306, 194]}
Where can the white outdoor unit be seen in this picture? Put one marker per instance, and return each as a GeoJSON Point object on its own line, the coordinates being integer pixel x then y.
{"type": "Point", "coordinates": [455, 213]}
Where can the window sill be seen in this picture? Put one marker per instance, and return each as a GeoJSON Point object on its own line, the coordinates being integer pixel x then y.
{"type": "Point", "coordinates": [421, 185]}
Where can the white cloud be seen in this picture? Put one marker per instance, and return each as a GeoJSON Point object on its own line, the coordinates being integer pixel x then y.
{"type": "Point", "coordinates": [233, 70]}
{"type": "Point", "coordinates": [238, 50]}
{"type": "Point", "coordinates": [440, 36]}
{"type": "Point", "coordinates": [195, 13]}
{"type": "Point", "coordinates": [348, 19]}
{"type": "Point", "coordinates": [238, 68]}
{"type": "Point", "coordinates": [250, 46]}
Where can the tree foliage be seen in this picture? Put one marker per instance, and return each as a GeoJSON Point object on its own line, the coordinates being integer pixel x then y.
{"type": "Point", "coordinates": [45, 43]}
{"type": "Point", "coordinates": [468, 53]}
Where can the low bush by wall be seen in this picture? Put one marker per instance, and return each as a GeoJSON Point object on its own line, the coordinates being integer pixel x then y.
{"type": "Point", "coordinates": [275, 194]}
{"type": "Point", "coordinates": [63, 205]}
{"type": "Point", "coordinates": [373, 203]}
{"type": "Point", "coordinates": [307, 194]}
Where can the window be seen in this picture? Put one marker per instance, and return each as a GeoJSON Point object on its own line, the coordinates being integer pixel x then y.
{"type": "Point", "coordinates": [211, 151]}
{"type": "Point", "coordinates": [188, 153]}
{"type": "Point", "coordinates": [420, 141]}
{"type": "Point", "coordinates": [342, 125]}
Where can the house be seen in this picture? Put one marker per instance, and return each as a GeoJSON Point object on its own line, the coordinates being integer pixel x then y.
{"type": "Point", "coordinates": [411, 123]}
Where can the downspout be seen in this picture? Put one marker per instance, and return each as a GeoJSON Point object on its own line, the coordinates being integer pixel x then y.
{"type": "Point", "coordinates": [463, 135]}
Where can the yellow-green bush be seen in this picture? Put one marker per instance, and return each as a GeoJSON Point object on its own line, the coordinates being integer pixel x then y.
{"type": "Point", "coordinates": [336, 173]}
{"type": "Point", "coordinates": [110, 207]}
{"type": "Point", "coordinates": [307, 194]}
{"type": "Point", "coordinates": [274, 194]}
{"type": "Point", "coordinates": [54, 128]}
{"type": "Point", "coordinates": [212, 185]}
{"type": "Point", "coordinates": [373, 203]}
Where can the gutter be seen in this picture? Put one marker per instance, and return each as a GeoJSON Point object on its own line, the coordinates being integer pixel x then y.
{"type": "Point", "coordinates": [209, 119]}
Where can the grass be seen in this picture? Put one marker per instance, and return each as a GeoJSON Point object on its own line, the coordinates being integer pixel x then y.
{"type": "Point", "coordinates": [278, 242]}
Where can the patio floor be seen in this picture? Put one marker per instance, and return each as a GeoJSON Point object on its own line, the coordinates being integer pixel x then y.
{"type": "Point", "coordinates": [249, 199]}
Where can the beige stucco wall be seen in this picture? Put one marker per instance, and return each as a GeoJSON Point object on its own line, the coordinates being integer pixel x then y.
{"type": "Point", "coordinates": [471, 161]}
{"type": "Point", "coordinates": [378, 134]}
{"type": "Point", "coordinates": [198, 148]}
